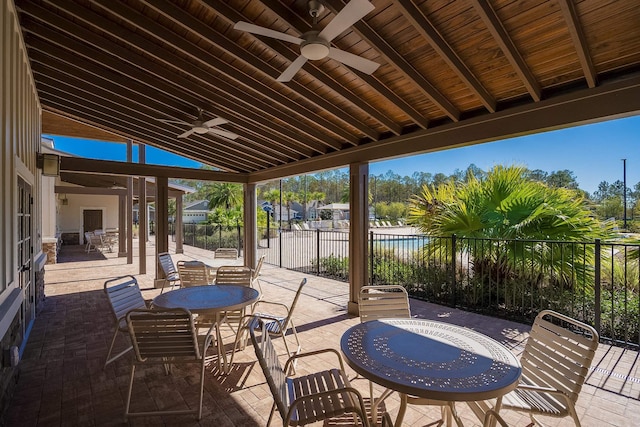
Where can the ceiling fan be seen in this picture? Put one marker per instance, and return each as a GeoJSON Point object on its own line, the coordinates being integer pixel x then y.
{"type": "Point", "coordinates": [316, 44]}
{"type": "Point", "coordinates": [201, 127]}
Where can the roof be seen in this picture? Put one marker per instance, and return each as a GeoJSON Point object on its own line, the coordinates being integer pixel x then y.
{"type": "Point", "coordinates": [452, 73]}
{"type": "Point", "coordinates": [198, 205]}
{"type": "Point", "coordinates": [335, 207]}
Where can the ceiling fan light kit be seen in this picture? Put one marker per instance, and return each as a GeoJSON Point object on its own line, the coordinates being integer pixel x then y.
{"type": "Point", "coordinates": [314, 48]}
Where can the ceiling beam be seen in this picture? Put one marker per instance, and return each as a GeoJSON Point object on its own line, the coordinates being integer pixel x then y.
{"type": "Point", "coordinates": [396, 60]}
{"type": "Point", "coordinates": [78, 164]}
{"type": "Point", "coordinates": [579, 40]}
{"type": "Point", "coordinates": [607, 101]}
{"type": "Point", "coordinates": [509, 49]}
{"type": "Point", "coordinates": [97, 191]}
{"type": "Point", "coordinates": [426, 29]}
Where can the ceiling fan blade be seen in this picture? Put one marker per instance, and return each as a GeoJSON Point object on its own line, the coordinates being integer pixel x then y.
{"type": "Point", "coordinates": [354, 11]}
{"type": "Point", "coordinates": [353, 61]}
{"type": "Point", "coordinates": [186, 134]}
{"type": "Point", "coordinates": [292, 69]}
{"type": "Point", "coordinates": [263, 31]}
{"type": "Point", "coordinates": [179, 122]}
{"type": "Point", "coordinates": [215, 122]}
{"type": "Point", "coordinates": [226, 134]}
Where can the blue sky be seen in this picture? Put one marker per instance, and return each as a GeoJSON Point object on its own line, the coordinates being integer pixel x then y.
{"type": "Point", "coordinates": [593, 152]}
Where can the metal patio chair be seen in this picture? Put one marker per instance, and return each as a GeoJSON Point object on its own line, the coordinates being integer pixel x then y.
{"type": "Point", "coordinates": [171, 275]}
{"type": "Point", "coordinates": [555, 364]}
{"type": "Point", "coordinates": [387, 302]}
{"type": "Point", "coordinates": [193, 273]}
{"type": "Point", "coordinates": [166, 337]}
{"type": "Point", "coordinates": [124, 295]}
{"type": "Point", "coordinates": [306, 399]}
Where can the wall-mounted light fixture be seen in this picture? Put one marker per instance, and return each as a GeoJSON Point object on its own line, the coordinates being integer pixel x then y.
{"type": "Point", "coordinates": [49, 163]}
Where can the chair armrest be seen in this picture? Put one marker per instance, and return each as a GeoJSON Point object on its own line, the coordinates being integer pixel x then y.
{"type": "Point", "coordinates": [314, 353]}
{"type": "Point", "coordinates": [537, 388]}
{"type": "Point", "coordinates": [271, 304]}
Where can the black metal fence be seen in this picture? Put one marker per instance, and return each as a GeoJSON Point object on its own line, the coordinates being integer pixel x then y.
{"type": "Point", "coordinates": [597, 282]}
{"type": "Point", "coordinates": [210, 236]}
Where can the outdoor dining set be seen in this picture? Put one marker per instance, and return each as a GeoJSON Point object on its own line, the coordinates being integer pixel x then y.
{"type": "Point", "coordinates": [426, 362]}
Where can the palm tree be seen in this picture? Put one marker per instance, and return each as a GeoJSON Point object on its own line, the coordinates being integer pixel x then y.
{"type": "Point", "coordinates": [225, 194]}
{"type": "Point", "coordinates": [507, 205]}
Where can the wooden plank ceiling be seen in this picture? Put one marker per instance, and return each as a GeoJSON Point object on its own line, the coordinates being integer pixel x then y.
{"type": "Point", "coordinates": [121, 66]}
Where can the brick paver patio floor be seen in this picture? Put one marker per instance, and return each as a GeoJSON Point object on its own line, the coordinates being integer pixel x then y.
{"type": "Point", "coordinates": [62, 380]}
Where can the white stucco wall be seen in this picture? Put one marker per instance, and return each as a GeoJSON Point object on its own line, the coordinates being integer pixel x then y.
{"type": "Point", "coordinates": [70, 215]}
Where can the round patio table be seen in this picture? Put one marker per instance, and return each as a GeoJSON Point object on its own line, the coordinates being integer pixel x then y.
{"type": "Point", "coordinates": [211, 300]}
{"type": "Point", "coordinates": [431, 360]}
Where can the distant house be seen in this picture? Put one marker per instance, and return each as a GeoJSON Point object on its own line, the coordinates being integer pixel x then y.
{"type": "Point", "coordinates": [195, 212]}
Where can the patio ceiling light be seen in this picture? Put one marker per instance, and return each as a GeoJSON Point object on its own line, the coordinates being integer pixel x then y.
{"type": "Point", "coordinates": [49, 163]}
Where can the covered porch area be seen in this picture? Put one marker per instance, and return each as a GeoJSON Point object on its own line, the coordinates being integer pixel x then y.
{"type": "Point", "coordinates": [62, 379]}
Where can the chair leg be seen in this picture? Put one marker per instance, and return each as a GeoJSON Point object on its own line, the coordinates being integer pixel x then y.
{"type": "Point", "coordinates": [126, 408]}
{"type": "Point", "coordinates": [122, 353]}
{"type": "Point", "coordinates": [273, 410]}
{"type": "Point", "coordinates": [201, 386]}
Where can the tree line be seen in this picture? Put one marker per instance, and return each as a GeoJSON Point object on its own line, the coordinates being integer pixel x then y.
{"type": "Point", "coordinates": [390, 192]}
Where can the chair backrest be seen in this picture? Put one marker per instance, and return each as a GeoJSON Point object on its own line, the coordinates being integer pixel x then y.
{"type": "Point", "coordinates": [193, 273]}
{"type": "Point", "coordinates": [293, 305]}
{"type": "Point", "coordinates": [233, 275]}
{"type": "Point", "coordinates": [256, 271]}
{"type": "Point", "coordinates": [167, 265]}
{"type": "Point", "coordinates": [383, 302]}
{"type": "Point", "coordinates": [559, 352]}
{"type": "Point", "coordinates": [160, 333]}
{"type": "Point", "coordinates": [268, 358]}
{"type": "Point", "coordinates": [124, 295]}
{"type": "Point", "coordinates": [231, 253]}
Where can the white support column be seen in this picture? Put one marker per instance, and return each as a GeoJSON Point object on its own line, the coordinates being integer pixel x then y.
{"type": "Point", "coordinates": [250, 225]}
{"type": "Point", "coordinates": [358, 231]}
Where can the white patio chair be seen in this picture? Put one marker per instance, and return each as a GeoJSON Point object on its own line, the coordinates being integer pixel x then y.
{"type": "Point", "coordinates": [124, 295]}
{"type": "Point", "coordinates": [171, 275]}
{"type": "Point", "coordinates": [193, 273]}
{"type": "Point", "coordinates": [555, 364]}
{"type": "Point", "coordinates": [313, 397]}
{"type": "Point", "coordinates": [234, 275]}
{"type": "Point", "coordinates": [167, 337]}
{"type": "Point", "coordinates": [387, 302]}
{"type": "Point", "coordinates": [277, 318]}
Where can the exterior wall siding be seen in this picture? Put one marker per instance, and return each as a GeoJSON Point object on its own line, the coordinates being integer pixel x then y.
{"type": "Point", "coordinates": [20, 141]}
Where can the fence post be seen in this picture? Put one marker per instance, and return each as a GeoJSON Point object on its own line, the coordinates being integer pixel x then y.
{"type": "Point", "coordinates": [280, 239]}
{"type": "Point", "coordinates": [318, 251]}
{"type": "Point", "coordinates": [597, 285]}
{"type": "Point", "coordinates": [454, 291]}
{"type": "Point", "coordinates": [371, 255]}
